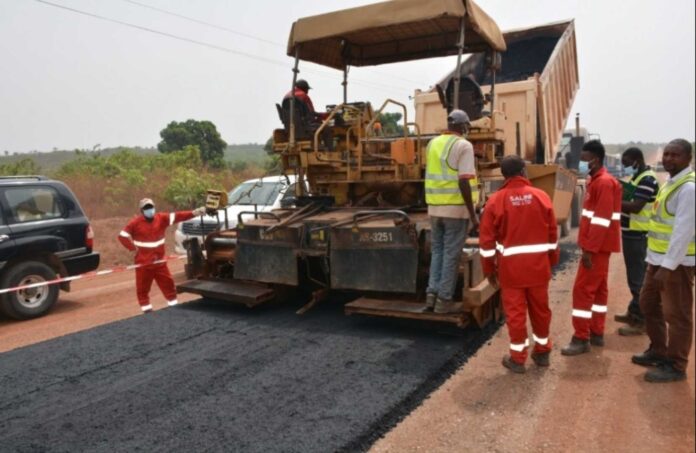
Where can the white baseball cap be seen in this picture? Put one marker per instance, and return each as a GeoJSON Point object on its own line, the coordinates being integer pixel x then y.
{"type": "Point", "coordinates": [144, 202]}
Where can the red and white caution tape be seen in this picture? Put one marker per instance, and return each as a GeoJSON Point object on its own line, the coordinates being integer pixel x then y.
{"type": "Point", "coordinates": [92, 274]}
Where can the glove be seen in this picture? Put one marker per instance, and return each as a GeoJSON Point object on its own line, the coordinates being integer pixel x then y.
{"type": "Point", "coordinates": [199, 211]}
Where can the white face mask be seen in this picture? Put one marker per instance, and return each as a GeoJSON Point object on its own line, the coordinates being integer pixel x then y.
{"type": "Point", "coordinates": [149, 213]}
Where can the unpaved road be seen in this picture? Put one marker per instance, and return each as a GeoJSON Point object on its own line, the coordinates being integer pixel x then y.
{"type": "Point", "coordinates": [597, 402]}
{"type": "Point", "coordinates": [91, 303]}
{"type": "Point", "coordinates": [206, 377]}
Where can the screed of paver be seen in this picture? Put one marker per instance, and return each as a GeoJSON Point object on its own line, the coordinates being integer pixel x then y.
{"type": "Point", "coordinates": [594, 402]}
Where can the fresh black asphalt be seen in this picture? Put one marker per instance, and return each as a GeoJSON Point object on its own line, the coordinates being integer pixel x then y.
{"type": "Point", "coordinates": [206, 376]}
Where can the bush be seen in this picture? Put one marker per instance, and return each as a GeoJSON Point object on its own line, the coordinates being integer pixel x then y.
{"type": "Point", "coordinates": [186, 189]}
{"type": "Point", "coordinates": [111, 186]}
{"type": "Point", "coordinates": [25, 166]}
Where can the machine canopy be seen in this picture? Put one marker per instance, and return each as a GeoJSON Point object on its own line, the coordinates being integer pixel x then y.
{"type": "Point", "coordinates": [393, 31]}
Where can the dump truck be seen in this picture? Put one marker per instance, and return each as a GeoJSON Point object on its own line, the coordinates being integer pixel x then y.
{"type": "Point", "coordinates": [533, 87]}
{"type": "Point", "coordinates": [364, 227]}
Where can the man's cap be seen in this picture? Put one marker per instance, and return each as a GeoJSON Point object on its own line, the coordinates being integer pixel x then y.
{"type": "Point", "coordinates": [458, 117]}
{"type": "Point", "coordinates": [303, 85]}
{"type": "Point", "coordinates": [145, 202]}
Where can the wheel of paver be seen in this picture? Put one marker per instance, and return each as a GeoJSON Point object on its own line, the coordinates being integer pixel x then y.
{"type": "Point", "coordinates": [31, 302]}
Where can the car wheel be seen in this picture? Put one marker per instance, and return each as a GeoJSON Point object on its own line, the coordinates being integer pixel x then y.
{"type": "Point", "coordinates": [31, 302]}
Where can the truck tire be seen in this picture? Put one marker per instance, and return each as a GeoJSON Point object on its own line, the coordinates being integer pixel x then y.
{"type": "Point", "coordinates": [576, 207]}
{"type": "Point", "coordinates": [32, 302]}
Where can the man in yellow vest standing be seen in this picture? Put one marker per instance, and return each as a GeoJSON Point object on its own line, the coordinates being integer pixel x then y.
{"type": "Point", "coordinates": [636, 208]}
{"type": "Point", "coordinates": [666, 299]}
{"type": "Point", "coordinates": [451, 191]}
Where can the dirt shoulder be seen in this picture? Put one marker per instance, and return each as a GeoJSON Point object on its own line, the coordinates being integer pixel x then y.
{"type": "Point", "coordinates": [90, 303]}
{"type": "Point", "coordinates": [595, 402]}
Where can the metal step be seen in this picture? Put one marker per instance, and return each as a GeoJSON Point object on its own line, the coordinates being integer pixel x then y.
{"type": "Point", "coordinates": [236, 291]}
{"type": "Point", "coordinates": [402, 309]}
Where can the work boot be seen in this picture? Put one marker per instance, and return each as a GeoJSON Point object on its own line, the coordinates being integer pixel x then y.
{"type": "Point", "coordinates": [513, 366]}
{"type": "Point", "coordinates": [648, 358]}
{"type": "Point", "coordinates": [596, 340]}
{"type": "Point", "coordinates": [625, 318]}
{"type": "Point", "coordinates": [430, 301]}
{"type": "Point", "coordinates": [443, 306]}
{"type": "Point", "coordinates": [576, 347]}
{"type": "Point", "coordinates": [632, 330]}
{"type": "Point", "coordinates": [665, 372]}
{"type": "Point", "coordinates": [541, 359]}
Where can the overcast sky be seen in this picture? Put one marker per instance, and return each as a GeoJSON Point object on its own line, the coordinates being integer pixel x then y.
{"type": "Point", "coordinates": [71, 81]}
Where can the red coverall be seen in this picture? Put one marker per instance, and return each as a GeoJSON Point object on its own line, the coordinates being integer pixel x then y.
{"type": "Point", "coordinates": [304, 97]}
{"type": "Point", "coordinates": [600, 234]}
{"type": "Point", "coordinates": [147, 236]}
{"type": "Point", "coordinates": [518, 233]}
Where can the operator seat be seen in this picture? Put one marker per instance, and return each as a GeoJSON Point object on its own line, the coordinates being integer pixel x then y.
{"type": "Point", "coordinates": [306, 123]}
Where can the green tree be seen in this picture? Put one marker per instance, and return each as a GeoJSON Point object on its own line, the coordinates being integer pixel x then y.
{"type": "Point", "coordinates": [390, 123]}
{"type": "Point", "coordinates": [187, 188]}
{"type": "Point", "coordinates": [268, 147]}
{"type": "Point", "coordinates": [26, 166]}
{"type": "Point", "coordinates": [203, 134]}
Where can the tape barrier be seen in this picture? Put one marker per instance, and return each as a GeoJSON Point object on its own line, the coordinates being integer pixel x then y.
{"type": "Point", "coordinates": [92, 274]}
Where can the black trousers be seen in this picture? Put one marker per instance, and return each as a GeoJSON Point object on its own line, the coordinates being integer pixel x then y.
{"type": "Point", "coordinates": [634, 253]}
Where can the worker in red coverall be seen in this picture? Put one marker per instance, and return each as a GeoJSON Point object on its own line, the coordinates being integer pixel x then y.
{"type": "Point", "coordinates": [301, 92]}
{"type": "Point", "coordinates": [518, 246]}
{"type": "Point", "coordinates": [144, 234]}
{"type": "Point", "coordinates": [599, 237]}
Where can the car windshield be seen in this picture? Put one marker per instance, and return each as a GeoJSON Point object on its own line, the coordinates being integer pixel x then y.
{"type": "Point", "coordinates": [255, 193]}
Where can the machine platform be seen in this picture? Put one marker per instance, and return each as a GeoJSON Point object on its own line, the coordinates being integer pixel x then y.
{"type": "Point", "coordinates": [402, 309]}
{"type": "Point", "coordinates": [248, 294]}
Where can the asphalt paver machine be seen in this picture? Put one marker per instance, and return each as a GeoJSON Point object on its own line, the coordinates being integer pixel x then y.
{"type": "Point", "coordinates": [360, 223]}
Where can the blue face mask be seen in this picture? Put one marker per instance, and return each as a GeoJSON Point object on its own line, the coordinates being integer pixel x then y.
{"type": "Point", "coordinates": [629, 171]}
{"type": "Point", "coordinates": [149, 213]}
{"type": "Point", "coordinates": [583, 167]}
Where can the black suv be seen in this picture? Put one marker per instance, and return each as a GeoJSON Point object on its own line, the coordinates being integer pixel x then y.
{"type": "Point", "coordinates": [43, 235]}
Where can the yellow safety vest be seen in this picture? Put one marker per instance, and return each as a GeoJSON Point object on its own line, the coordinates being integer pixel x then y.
{"type": "Point", "coordinates": [641, 220]}
{"type": "Point", "coordinates": [662, 222]}
{"type": "Point", "coordinates": [442, 181]}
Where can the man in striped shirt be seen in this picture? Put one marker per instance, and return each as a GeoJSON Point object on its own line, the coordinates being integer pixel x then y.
{"type": "Point", "coordinates": [145, 235]}
{"type": "Point", "coordinates": [639, 195]}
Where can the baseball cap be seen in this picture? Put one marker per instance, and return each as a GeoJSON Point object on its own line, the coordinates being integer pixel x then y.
{"type": "Point", "coordinates": [144, 202]}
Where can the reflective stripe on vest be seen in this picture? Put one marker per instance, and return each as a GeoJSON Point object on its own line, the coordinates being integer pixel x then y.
{"type": "Point", "coordinates": [149, 245]}
{"type": "Point", "coordinates": [518, 249]}
{"type": "Point", "coordinates": [641, 221]}
{"type": "Point", "coordinates": [441, 181]}
{"type": "Point", "coordinates": [595, 220]}
{"type": "Point", "coordinates": [662, 222]}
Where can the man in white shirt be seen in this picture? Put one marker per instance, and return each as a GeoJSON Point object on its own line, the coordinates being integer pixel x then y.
{"type": "Point", "coordinates": [666, 298]}
{"type": "Point", "coordinates": [451, 192]}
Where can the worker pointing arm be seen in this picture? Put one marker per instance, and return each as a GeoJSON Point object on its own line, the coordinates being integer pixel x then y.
{"type": "Point", "coordinates": [145, 234]}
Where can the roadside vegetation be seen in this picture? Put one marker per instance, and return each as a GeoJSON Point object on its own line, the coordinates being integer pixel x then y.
{"type": "Point", "coordinates": [110, 182]}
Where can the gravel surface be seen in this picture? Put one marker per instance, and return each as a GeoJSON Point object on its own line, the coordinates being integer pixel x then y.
{"type": "Point", "coordinates": [206, 376]}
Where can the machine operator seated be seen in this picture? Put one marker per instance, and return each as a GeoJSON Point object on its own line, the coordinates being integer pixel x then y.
{"type": "Point", "coordinates": [309, 119]}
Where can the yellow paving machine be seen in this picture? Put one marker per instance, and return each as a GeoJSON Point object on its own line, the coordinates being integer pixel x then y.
{"type": "Point", "coordinates": [359, 223]}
